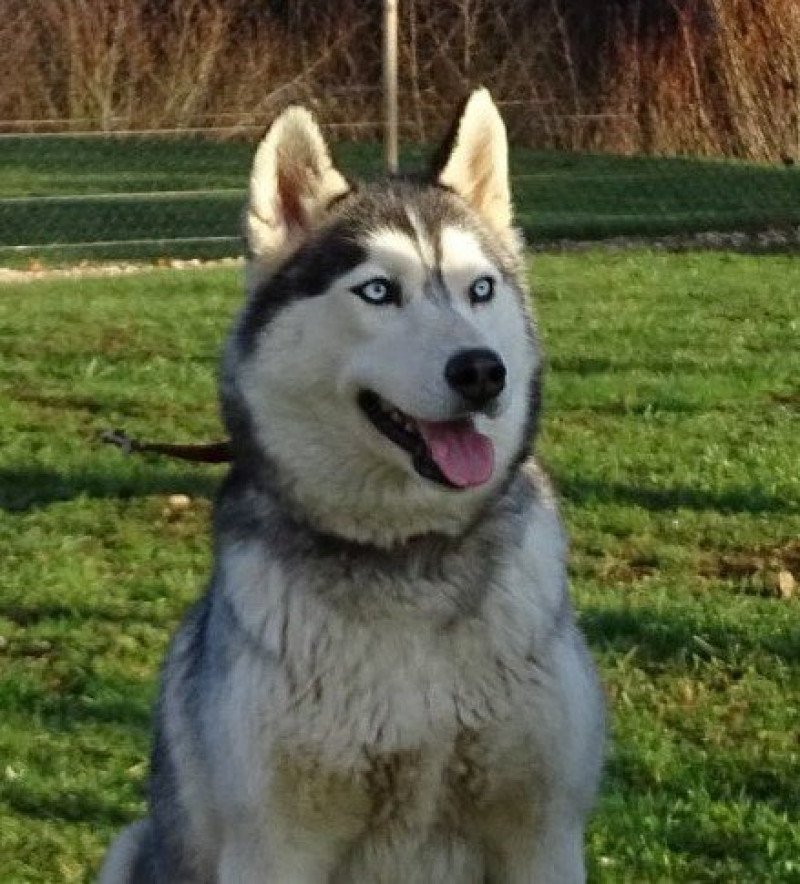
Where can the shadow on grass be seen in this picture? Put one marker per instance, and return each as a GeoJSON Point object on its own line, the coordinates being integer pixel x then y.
{"type": "Point", "coordinates": [69, 807]}
{"type": "Point", "coordinates": [658, 637]}
{"type": "Point", "coordinates": [643, 409]}
{"type": "Point", "coordinates": [737, 500]}
{"type": "Point", "coordinates": [592, 365]}
{"type": "Point", "coordinates": [26, 615]}
{"type": "Point", "coordinates": [26, 488]}
{"type": "Point", "coordinates": [725, 780]}
{"type": "Point", "coordinates": [98, 702]}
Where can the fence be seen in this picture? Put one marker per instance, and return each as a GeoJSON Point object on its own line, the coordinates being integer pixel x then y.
{"type": "Point", "coordinates": [615, 110]}
{"type": "Point", "coordinates": [180, 192]}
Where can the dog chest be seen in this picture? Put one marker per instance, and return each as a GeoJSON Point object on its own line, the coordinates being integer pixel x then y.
{"type": "Point", "coordinates": [403, 730]}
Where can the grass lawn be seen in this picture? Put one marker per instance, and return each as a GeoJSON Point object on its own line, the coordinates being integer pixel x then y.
{"type": "Point", "coordinates": [671, 428]}
{"type": "Point", "coordinates": [145, 188]}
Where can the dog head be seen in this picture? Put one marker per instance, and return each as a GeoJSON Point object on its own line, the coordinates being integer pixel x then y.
{"type": "Point", "coordinates": [384, 367]}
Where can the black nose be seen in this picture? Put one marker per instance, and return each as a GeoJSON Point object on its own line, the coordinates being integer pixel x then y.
{"type": "Point", "coordinates": [478, 375]}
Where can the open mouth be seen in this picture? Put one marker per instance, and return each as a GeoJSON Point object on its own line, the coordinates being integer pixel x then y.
{"type": "Point", "coordinates": [452, 453]}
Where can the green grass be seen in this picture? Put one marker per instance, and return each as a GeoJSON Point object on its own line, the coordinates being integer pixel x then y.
{"type": "Point", "coordinates": [671, 429]}
{"type": "Point", "coordinates": [107, 189]}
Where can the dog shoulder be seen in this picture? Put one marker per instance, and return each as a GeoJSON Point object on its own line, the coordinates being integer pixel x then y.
{"type": "Point", "coordinates": [535, 575]}
{"type": "Point", "coordinates": [544, 547]}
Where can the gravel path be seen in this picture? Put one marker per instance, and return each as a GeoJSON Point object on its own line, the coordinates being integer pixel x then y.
{"type": "Point", "coordinates": [117, 268]}
{"type": "Point", "coordinates": [764, 241]}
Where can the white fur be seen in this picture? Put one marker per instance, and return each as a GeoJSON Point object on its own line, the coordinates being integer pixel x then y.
{"type": "Point", "coordinates": [386, 716]}
{"type": "Point", "coordinates": [343, 473]}
{"type": "Point", "coordinates": [296, 788]}
{"type": "Point", "coordinates": [292, 181]}
{"type": "Point", "coordinates": [427, 252]}
{"type": "Point", "coordinates": [477, 168]}
{"type": "Point", "coordinates": [394, 254]}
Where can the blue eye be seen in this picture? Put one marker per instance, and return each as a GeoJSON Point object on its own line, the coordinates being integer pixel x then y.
{"type": "Point", "coordinates": [378, 291]}
{"type": "Point", "coordinates": [481, 290]}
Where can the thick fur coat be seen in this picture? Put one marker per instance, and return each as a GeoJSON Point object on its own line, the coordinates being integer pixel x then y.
{"type": "Point", "coordinates": [384, 681]}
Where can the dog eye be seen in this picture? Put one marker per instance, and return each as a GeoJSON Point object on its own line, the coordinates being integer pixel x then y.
{"type": "Point", "coordinates": [378, 291]}
{"type": "Point", "coordinates": [481, 290]}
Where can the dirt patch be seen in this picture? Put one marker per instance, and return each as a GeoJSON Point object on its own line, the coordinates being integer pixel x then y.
{"type": "Point", "coordinates": [620, 567]}
{"type": "Point", "coordinates": [762, 569]}
{"type": "Point", "coordinates": [615, 570]}
{"type": "Point", "coordinates": [789, 400]}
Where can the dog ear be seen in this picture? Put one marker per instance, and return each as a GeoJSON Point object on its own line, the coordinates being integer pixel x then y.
{"type": "Point", "coordinates": [473, 162]}
{"type": "Point", "coordinates": [292, 183]}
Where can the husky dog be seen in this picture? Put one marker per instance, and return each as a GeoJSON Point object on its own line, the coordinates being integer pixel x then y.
{"type": "Point", "coordinates": [384, 681]}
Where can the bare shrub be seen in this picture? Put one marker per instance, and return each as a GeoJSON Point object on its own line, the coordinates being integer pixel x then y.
{"type": "Point", "coordinates": [521, 50]}
{"type": "Point", "coordinates": [115, 64]}
{"type": "Point", "coordinates": [666, 76]}
{"type": "Point", "coordinates": [713, 77]}
{"type": "Point", "coordinates": [755, 60]}
{"type": "Point", "coordinates": [24, 86]}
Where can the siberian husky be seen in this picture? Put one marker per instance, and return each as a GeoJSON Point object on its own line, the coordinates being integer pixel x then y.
{"type": "Point", "coordinates": [384, 681]}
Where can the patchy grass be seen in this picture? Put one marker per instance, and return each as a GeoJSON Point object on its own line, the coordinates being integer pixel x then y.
{"type": "Point", "coordinates": [68, 189]}
{"type": "Point", "coordinates": [671, 429]}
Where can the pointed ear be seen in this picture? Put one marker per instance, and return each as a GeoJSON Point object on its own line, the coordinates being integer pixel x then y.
{"type": "Point", "coordinates": [473, 162]}
{"type": "Point", "coordinates": [292, 183]}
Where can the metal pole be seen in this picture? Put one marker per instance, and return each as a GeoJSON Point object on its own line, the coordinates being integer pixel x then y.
{"type": "Point", "coordinates": [390, 83]}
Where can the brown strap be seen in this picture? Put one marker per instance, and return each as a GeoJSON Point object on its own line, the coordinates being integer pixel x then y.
{"type": "Point", "coordinates": [209, 452]}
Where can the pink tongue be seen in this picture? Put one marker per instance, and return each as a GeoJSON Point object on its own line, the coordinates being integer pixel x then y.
{"type": "Point", "coordinates": [465, 456]}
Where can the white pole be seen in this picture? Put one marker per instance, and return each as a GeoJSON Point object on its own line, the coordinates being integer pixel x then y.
{"type": "Point", "coordinates": [390, 83]}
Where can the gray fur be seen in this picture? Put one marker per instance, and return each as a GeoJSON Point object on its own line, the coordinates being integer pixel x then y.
{"type": "Point", "coordinates": [394, 695]}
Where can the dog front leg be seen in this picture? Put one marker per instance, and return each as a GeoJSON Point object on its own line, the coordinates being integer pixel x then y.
{"type": "Point", "coordinates": [554, 855]}
{"type": "Point", "coordinates": [253, 857]}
